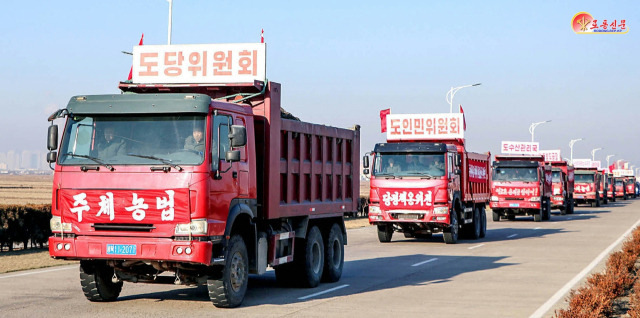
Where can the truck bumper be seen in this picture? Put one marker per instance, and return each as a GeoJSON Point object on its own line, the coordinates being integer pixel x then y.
{"type": "Point", "coordinates": [151, 249]}
{"type": "Point", "coordinates": [384, 217]}
{"type": "Point", "coordinates": [582, 196]}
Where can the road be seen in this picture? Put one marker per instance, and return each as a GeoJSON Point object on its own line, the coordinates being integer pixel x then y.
{"type": "Point", "coordinates": [520, 269]}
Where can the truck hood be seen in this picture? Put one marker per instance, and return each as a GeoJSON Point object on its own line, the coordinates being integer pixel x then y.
{"type": "Point", "coordinates": [408, 194]}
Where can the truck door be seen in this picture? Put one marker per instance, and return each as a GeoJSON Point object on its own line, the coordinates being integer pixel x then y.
{"type": "Point", "coordinates": [223, 185]}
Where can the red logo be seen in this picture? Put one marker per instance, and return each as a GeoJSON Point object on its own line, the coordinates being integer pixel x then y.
{"type": "Point", "coordinates": [585, 23]}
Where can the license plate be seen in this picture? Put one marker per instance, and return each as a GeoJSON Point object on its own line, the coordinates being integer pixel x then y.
{"type": "Point", "coordinates": [579, 196]}
{"type": "Point", "coordinates": [514, 205]}
{"type": "Point", "coordinates": [412, 216]}
{"type": "Point", "coordinates": [121, 249]}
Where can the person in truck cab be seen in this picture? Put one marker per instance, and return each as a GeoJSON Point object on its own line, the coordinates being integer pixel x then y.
{"type": "Point", "coordinates": [412, 163]}
{"type": "Point", "coordinates": [111, 146]}
{"type": "Point", "coordinates": [195, 142]}
{"type": "Point", "coordinates": [392, 167]}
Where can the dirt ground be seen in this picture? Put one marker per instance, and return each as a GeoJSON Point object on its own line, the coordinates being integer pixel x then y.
{"type": "Point", "coordinates": [25, 189]}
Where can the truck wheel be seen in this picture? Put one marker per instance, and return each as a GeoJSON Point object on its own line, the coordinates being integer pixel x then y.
{"type": "Point", "coordinates": [450, 235]}
{"type": "Point", "coordinates": [333, 255]}
{"type": "Point", "coordinates": [228, 289]}
{"type": "Point", "coordinates": [597, 201]}
{"type": "Point", "coordinates": [483, 222]}
{"type": "Point", "coordinates": [95, 278]}
{"type": "Point", "coordinates": [473, 229]}
{"type": "Point", "coordinates": [539, 215]}
{"type": "Point", "coordinates": [312, 261]}
{"type": "Point", "coordinates": [496, 216]}
{"type": "Point", "coordinates": [571, 206]}
{"type": "Point", "coordinates": [385, 233]}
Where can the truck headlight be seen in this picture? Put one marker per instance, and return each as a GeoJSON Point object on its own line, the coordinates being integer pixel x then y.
{"type": "Point", "coordinates": [56, 225]}
{"type": "Point", "coordinates": [441, 210]}
{"type": "Point", "coordinates": [196, 227]}
{"type": "Point", "coordinates": [535, 199]}
{"type": "Point", "coordinates": [494, 198]}
{"type": "Point", "coordinates": [374, 209]}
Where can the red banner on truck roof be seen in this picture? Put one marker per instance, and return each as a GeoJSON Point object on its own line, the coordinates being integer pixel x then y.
{"type": "Point", "coordinates": [199, 63]}
{"type": "Point", "coordinates": [424, 127]}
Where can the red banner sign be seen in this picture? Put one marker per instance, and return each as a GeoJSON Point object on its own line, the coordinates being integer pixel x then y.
{"type": "Point", "coordinates": [406, 198]}
{"type": "Point", "coordinates": [477, 172]}
{"type": "Point", "coordinates": [125, 206]}
{"type": "Point", "coordinates": [517, 192]}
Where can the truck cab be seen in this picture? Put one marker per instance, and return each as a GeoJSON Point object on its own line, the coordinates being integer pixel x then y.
{"type": "Point", "coordinates": [587, 187]}
{"type": "Point", "coordinates": [562, 187]}
{"type": "Point", "coordinates": [620, 187]}
{"type": "Point", "coordinates": [631, 186]}
{"type": "Point", "coordinates": [521, 185]}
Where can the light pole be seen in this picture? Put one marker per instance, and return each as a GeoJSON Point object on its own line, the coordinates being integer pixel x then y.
{"type": "Point", "coordinates": [170, 18]}
{"type": "Point", "coordinates": [533, 126]}
{"type": "Point", "coordinates": [573, 141]}
{"type": "Point", "coordinates": [453, 91]}
{"type": "Point", "coordinates": [593, 153]}
{"type": "Point", "coordinates": [608, 157]}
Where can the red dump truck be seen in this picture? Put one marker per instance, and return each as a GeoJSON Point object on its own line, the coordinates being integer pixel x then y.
{"type": "Point", "coordinates": [562, 187]}
{"type": "Point", "coordinates": [203, 182]}
{"type": "Point", "coordinates": [604, 188]}
{"type": "Point", "coordinates": [611, 189]}
{"type": "Point", "coordinates": [521, 185]}
{"type": "Point", "coordinates": [620, 188]}
{"type": "Point", "coordinates": [587, 187]}
{"type": "Point", "coordinates": [424, 180]}
{"type": "Point", "coordinates": [630, 185]}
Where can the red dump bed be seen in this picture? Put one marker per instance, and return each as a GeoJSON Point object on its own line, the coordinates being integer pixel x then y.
{"type": "Point", "coordinates": [476, 181]}
{"type": "Point", "coordinates": [303, 168]}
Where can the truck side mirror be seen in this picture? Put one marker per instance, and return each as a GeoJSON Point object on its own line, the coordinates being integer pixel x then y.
{"type": "Point", "coordinates": [232, 156]}
{"type": "Point", "coordinates": [52, 138]}
{"type": "Point", "coordinates": [365, 162]}
{"type": "Point", "coordinates": [52, 156]}
{"type": "Point", "coordinates": [238, 136]}
{"type": "Point", "coordinates": [365, 171]}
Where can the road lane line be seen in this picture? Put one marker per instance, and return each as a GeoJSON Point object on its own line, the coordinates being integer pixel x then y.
{"type": "Point", "coordinates": [567, 287]}
{"type": "Point", "coordinates": [424, 262]}
{"type": "Point", "coordinates": [512, 235]}
{"type": "Point", "coordinates": [40, 272]}
{"type": "Point", "coordinates": [323, 292]}
{"type": "Point", "coordinates": [472, 247]}
{"type": "Point", "coordinates": [537, 228]}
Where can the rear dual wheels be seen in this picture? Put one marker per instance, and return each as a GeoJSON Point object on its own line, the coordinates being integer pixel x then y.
{"type": "Point", "coordinates": [334, 255]}
{"type": "Point", "coordinates": [474, 230]}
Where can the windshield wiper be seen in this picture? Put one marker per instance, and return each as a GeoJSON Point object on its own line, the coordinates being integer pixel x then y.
{"type": "Point", "coordinates": [165, 161]}
{"type": "Point", "coordinates": [94, 159]}
{"type": "Point", "coordinates": [424, 174]}
{"type": "Point", "coordinates": [388, 175]}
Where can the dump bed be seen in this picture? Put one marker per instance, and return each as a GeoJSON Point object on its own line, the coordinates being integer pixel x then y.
{"type": "Point", "coordinates": [476, 184]}
{"type": "Point", "coordinates": [303, 168]}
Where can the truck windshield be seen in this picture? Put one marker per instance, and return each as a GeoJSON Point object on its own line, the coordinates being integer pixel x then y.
{"type": "Point", "coordinates": [583, 178]}
{"type": "Point", "coordinates": [526, 174]}
{"type": "Point", "coordinates": [134, 140]}
{"type": "Point", "coordinates": [556, 176]}
{"type": "Point", "coordinates": [409, 164]}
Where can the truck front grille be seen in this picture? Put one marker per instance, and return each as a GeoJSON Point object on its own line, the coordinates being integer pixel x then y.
{"type": "Point", "coordinates": [123, 227]}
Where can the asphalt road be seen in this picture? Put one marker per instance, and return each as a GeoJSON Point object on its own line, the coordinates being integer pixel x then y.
{"type": "Point", "coordinates": [521, 269]}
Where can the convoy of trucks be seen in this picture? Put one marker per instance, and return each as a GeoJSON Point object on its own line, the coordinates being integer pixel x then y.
{"type": "Point", "coordinates": [187, 178]}
{"type": "Point", "coordinates": [204, 181]}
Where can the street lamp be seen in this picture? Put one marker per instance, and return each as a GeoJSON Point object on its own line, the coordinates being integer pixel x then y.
{"type": "Point", "coordinates": [608, 157]}
{"type": "Point", "coordinates": [453, 91]}
{"type": "Point", "coordinates": [533, 126]}
{"type": "Point", "coordinates": [573, 141]}
{"type": "Point", "coordinates": [593, 154]}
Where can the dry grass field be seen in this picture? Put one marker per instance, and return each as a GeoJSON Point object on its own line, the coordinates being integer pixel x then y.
{"type": "Point", "coordinates": [25, 189]}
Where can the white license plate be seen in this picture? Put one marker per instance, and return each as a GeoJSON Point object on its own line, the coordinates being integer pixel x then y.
{"type": "Point", "coordinates": [121, 249]}
{"type": "Point", "coordinates": [514, 205]}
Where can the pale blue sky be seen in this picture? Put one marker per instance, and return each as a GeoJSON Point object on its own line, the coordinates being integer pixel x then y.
{"type": "Point", "coordinates": [340, 62]}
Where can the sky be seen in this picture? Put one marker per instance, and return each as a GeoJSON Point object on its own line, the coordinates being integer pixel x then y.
{"type": "Point", "coordinates": [341, 62]}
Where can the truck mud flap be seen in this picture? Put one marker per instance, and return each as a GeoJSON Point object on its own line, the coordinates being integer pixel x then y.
{"type": "Point", "coordinates": [281, 247]}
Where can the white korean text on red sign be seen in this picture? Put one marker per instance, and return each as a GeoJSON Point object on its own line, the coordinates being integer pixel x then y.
{"type": "Point", "coordinates": [424, 126]}
{"type": "Point", "coordinates": [582, 163]}
{"type": "Point", "coordinates": [551, 155]}
{"type": "Point", "coordinates": [520, 148]}
{"type": "Point", "coordinates": [199, 63]}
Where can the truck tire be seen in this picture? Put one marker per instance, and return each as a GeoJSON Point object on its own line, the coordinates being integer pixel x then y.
{"type": "Point", "coordinates": [539, 215]}
{"type": "Point", "coordinates": [228, 289]}
{"type": "Point", "coordinates": [311, 263]}
{"type": "Point", "coordinates": [473, 229]}
{"type": "Point", "coordinates": [333, 255]}
{"type": "Point", "coordinates": [385, 233]}
{"type": "Point", "coordinates": [598, 201]}
{"type": "Point", "coordinates": [546, 210]}
{"type": "Point", "coordinates": [571, 206]}
{"type": "Point", "coordinates": [450, 235]}
{"type": "Point", "coordinates": [496, 216]}
{"type": "Point", "coordinates": [483, 222]}
{"type": "Point", "coordinates": [95, 278]}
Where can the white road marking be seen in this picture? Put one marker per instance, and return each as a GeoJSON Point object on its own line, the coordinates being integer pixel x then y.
{"type": "Point", "coordinates": [567, 287]}
{"type": "Point", "coordinates": [40, 272]}
{"type": "Point", "coordinates": [472, 247]}
{"type": "Point", "coordinates": [512, 235]}
{"type": "Point", "coordinates": [424, 262]}
{"type": "Point", "coordinates": [537, 228]}
{"type": "Point", "coordinates": [323, 292]}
